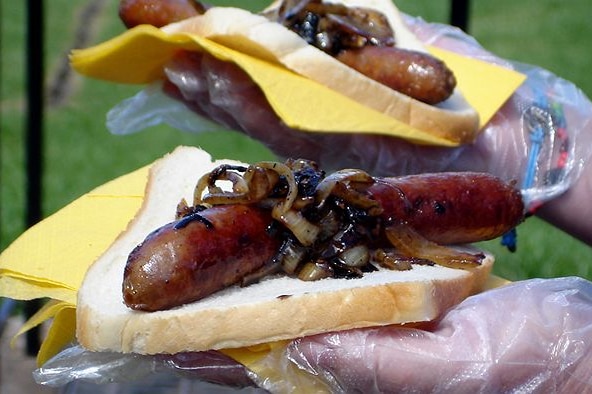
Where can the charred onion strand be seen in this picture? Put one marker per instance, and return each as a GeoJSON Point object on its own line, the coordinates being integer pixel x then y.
{"type": "Point", "coordinates": [287, 175]}
{"type": "Point", "coordinates": [303, 230]}
{"type": "Point", "coordinates": [341, 183]}
{"type": "Point", "coordinates": [411, 244]}
{"type": "Point", "coordinates": [290, 256]}
{"type": "Point", "coordinates": [315, 271]}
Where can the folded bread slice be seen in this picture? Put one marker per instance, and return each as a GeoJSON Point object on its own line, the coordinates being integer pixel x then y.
{"type": "Point", "coordinates": [454, 119]}
{"type": "Point", "coordinates": [277, 308]}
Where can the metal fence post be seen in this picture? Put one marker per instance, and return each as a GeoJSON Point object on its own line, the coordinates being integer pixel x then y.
{"type": "Point", "coordinates": [459, 14]}
{"type": "Point", "coordinates": [34, 135]}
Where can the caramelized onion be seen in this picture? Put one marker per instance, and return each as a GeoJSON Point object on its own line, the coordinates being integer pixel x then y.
{"type": "Point", "coordinates": [343, 178]}
{"type": "Point", "coordinates": [332, 27]}
{"type": "Point", "coordinates": [356, 256]}
{"type": "Point", "coordinates": [315, 271]}
{"type": "Point", "coordinates": [303, 230]}
{"type": "Point", "coordinates": [290, 256]}
{"type": "Point", "coordinates": [260, 182]}
{"type": "Point", "coordinates": [395, 261]}
{"type": "Point", "coordinates": [215, 194]}
{"type": "Point", "coordinates": [286, 173]}
{"type": "Point", "coordinates": [411, 244]}
{"type": "Point", "coordinates": [328, 225]}
{"type": "Point", "coordinates": [344, 239]}
{"type": "Point", "coordinates": [255, 184]}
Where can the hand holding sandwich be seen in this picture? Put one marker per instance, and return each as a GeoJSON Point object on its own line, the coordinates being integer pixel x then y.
{"type": "Point", "coordinates": [229, 97]}
{"type": "Point", "coordinates": [505, 147]}
{"type": "Point", "coordinates": [530, 336]}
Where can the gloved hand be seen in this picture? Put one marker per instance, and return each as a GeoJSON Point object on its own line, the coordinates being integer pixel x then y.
{"type": "Point", "coordinates": [530, 336]}
{"type": "Point", "coordinates": [222, 92]}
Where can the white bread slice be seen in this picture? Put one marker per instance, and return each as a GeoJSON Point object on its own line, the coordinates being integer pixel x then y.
{"type": "Point", "coordinates": [454, 119]}
{"type": "Point", "coordinates": [274, 309]}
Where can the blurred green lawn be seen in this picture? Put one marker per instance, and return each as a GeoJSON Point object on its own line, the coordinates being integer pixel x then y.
{"type": "Point", "coordinates": [80, 154]}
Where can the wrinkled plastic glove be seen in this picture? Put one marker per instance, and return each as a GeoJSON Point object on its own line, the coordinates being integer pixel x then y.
{"type": "Point", "coordinates": [222, 92]}
{"type": "Point", "coordinates": [530, 336]}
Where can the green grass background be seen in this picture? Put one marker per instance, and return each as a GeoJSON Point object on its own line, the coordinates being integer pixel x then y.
{"type": "Point", "coordinates": [80, 154]}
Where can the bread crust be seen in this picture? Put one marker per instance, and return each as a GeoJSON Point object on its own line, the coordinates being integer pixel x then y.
{"type": "Point", "coordinates": [454, 119]}
{"type": "Point", "coordinates": [274, 309]}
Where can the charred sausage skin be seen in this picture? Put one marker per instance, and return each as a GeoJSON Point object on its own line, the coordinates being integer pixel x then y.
{"type": "Point", "coordinates": [450, 208]}
{"type": "Point", "coordinates": [190, 259]}
{"type": "Point", "coordinates": [415, 74]}
{"type": "Point", "coordinates": [157, 12]}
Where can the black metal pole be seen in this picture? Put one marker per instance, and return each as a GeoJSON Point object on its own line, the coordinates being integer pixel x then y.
{"type": "Point", "coordinates": [459, 14]}
{"type": "Point", "coordinates": [1, 166]}
{"type": "Point", "coordinates": [34, 135]}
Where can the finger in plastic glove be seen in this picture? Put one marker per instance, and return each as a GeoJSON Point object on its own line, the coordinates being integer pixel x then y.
{"type": "Point", "coordinates": [78, 368]}
{"type": "Point", "coordinates": [531, 336]}
{"type": "Point", "coordinates": [223, 92]}
{"type": "Point", "coordinates": [209, 366]}
{"type": "Point", "coordinates": [227, 95]}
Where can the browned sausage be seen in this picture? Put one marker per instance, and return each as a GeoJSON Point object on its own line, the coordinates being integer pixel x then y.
{"type": "Point", "coordinates": [196, 256]}
{"type": "Point", "coordinates": [451, 208]}
{"type": "Point", "coordinates": [416, 74]}
{"type": "Point", "coordinates": [157, 12]}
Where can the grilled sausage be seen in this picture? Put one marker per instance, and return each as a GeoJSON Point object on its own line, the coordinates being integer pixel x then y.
{"type": "Point", "coordinates": [451, 208]}
{"type": "Point", "coordinates": [157, 12]}
{"type": "Point", "coordinates": [415, 74]}
{"type": "Point", "coordinates": [198, 255]}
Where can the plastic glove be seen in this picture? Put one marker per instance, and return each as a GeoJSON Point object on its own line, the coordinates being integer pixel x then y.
{"type": "Point", "coordinates": [531, 336]}
{"type": "Point", "coordinates": [105, 372]}
{"type": "Point", "coordinates": [225, 94]}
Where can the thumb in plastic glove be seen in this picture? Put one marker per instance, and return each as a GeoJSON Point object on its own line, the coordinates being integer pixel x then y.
{"type": "Point", "coordinates": [531, 336]}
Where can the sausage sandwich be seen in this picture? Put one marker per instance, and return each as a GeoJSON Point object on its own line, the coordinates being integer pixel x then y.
{"type": "Point", "coordinates": [361, 49]}
{"type": "Point", "coordinates": [217, 260]}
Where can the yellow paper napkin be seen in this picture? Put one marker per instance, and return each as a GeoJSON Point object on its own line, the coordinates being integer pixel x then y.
{"type": "Point", "coordinates": [50, 259]}
{"type": "Point", "coordinates": [54, 254]}
{"type": "Point", "coordinates": [138, 56]}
